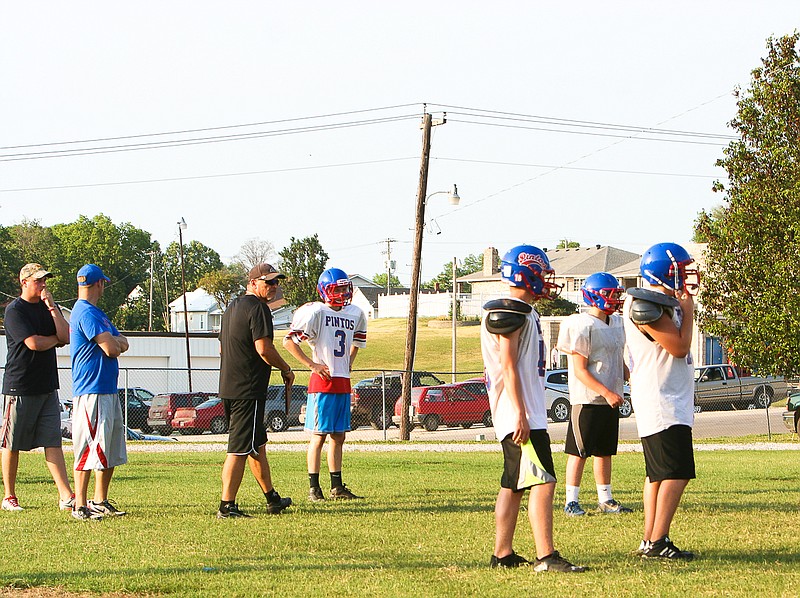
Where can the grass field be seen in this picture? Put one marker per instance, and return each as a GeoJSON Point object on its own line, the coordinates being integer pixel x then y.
{"type": "Point", "coordinates": [425, 528]}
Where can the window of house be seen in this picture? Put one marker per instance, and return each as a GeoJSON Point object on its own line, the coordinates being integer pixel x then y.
{"type": "Point", "coordinates": [577, 283]}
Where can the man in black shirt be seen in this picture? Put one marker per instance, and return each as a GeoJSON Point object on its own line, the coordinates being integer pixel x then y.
{"type": "Point", "coordinates": [247, 354]}
{"type": "Point", "coordinates": [31, 411]}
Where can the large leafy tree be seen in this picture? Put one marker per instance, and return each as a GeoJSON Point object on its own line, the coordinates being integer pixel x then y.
{"type": "Point", "coordinates": [120, 250]}
{"type": "Point", "coordinates": [199, 260]}
{"type": "Point", "coordinates": [380, 279]}
{"type": "Point", "coordinates": [302, 262]}
{"type": "Point", "coordinates": [468, 265]}
{"type": "Point", "coordinates": [749, 293]}
{"type": "Point", "coordinates": [223, 285]}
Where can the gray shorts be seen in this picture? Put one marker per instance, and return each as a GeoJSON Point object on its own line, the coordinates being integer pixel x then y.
{"type": "Point", "coordinates": [98, 432]}
{"type": "Point", "coordinates": [31, 421]}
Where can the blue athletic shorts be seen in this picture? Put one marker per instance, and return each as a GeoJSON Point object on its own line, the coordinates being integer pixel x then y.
{"type": "Point", "coordinates": [328, 412]}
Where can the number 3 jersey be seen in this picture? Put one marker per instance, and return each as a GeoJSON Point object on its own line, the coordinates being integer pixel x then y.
{"type": "Point", "coordinates": [330, 334]}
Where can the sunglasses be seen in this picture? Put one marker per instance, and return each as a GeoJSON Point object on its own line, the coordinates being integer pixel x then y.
{"type": "Point", "coordinates": [273, 283]}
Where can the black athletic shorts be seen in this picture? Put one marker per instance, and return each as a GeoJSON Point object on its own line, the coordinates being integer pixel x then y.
{"type": "Point", "coordinates": [246, 431]}
{"type": "Point", "coordinates": [515, 462]}
{"type": "Point", "coordinates": [668, 455]}
{"type": "Point", "coordinates": [593, 430]}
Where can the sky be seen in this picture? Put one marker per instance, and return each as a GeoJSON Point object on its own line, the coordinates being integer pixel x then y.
{"type": "Point", "coordinates": [279, 120]}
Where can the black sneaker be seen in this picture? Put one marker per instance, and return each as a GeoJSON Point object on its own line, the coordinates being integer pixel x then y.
{"type": "Point", "coordinates": [342, 493]}
{"type": "Point", "coordinates": [84, 514]}
{"type": "Point", "coordinates": [275, 507]}
{"type": "Point", "coordinates": [555, 562]}
{"type": "Point", "coordinates": [315, 494]}
{"type": "Point", "coordinates": [232, 511]}
{"type": "Point", "coordinates": [509, 561]}
{"type": "Point", "coordinates": [665, 549]}
{"type": "Point", "coordinates": [106, 508]}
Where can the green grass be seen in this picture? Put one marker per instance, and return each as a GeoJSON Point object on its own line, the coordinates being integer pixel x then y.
{"type": "Point", "coordinates": [425, 528]}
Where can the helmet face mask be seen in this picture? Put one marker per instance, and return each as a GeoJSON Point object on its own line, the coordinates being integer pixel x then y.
{"type": "Point", "coordinates": [666, 264]}
{"type": "Point", "coordinates": [335, 287]}
{"type": "Point", "coordinates": [526, 266]}
{"type": "Point", "coordinates": [603, 291]}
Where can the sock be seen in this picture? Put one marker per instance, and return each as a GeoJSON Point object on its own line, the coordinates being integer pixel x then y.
{"type": "Point", "coordinates": [603, 493]}
{"type": "Point", "coordinates": [313, 480]}
{"type": "Point", "coordinates": [272, 496]}
{"type": "Point", "coordinates": [336, 479]}
{"type": "Point", "coordinates": [572, 494]}
{"type": "Point", "coordinates": [224, 505]}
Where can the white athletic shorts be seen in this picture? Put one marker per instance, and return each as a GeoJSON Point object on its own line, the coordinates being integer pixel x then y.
{"type": "Point", "coordinates": [98, 432]}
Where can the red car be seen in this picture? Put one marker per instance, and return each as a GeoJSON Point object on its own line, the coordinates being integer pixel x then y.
{"type": "Point", "coordinates": [460, 404]}
{"type": "Point", "coordinates": [207, 416]}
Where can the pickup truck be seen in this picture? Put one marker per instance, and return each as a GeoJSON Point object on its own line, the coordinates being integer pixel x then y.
{"type": "Point", "coordinates": [367, 404]}
{"type": "Point", "coordinates": [720, 387]}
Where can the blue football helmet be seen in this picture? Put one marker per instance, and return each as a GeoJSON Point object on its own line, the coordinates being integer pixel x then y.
{"type": "Point", "coordinates": [603, 291]}
{"type": "Point", "coordinates": [335, 287]}
{"type": "Point", "coordinates": [527, 267]}
{"type": "Point", "coordinates": [666, 264]}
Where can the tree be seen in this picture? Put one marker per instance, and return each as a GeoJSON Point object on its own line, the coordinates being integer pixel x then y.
{"type": "Point", "coordinates": [380, 280]}
{"type": "Point", "coordinates": [302, 262]}
{"type": "Point", "coordinates": [469, 265]}
{"type": "Point", "coordinates": [254, 252]}
{"type": "Point", "coordinates": [706, 220]}
{"type": "Point", "coordinates": [567, 244]}
{"type": "Point", "coordinates": [749, 293]}
{"type": "Point", "coordinates": [121, 251]}
{"type": "Point", "coordinates": [198, 259]}
{"type": "Point", "coordinates": [223, 285]}
{"type": "Point", "coordinates": [556, 307]}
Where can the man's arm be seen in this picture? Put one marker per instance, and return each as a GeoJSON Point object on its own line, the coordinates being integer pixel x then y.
{"type": "Point", "coordinates": [62, 327]}
{"type": "Point", "coordinates": [581, 370]}
{"type": "Point", "coordinates": [297, 352]}
{"type": "Point", "coordinates": [509, 353]}
{"type": "Point", "coordinates": [676, 341]}
{"type": "Point", "coordinates": [353, 354]}
{"type": "Point", "coordinates": [112, 346]}
{"type": "Point", "coordinates": [266, 349]}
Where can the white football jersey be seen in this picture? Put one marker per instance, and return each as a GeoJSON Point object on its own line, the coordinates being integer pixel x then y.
{"type": "Point", "coordinates": [330, 334]}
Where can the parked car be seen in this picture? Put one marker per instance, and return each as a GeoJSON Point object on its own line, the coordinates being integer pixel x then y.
{"type": "Point", "coordinates": [367, 398]}
{"type": "Point", "coordinates": [460, 404]}
{"type": "Point", "coordinates": [138, 406]}
{"type": "Point", "coordinates": [556, 394]}
{"type": "Point", "coordinates": [134, 435]}
{"type": "Point", "coordinates": [721, 387]}
{"type": "Point", "coordinates": [275, 416]}
{"type": "Point", "coordinates": [163, 407]}
{"type": "Point", "coordinates": [208, 416]}
{"type": "Point", "coordinates": [791, 417]}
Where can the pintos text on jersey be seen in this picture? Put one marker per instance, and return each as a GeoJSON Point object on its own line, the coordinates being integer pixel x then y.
{"type": "Point", "coordinates": [340, 322]}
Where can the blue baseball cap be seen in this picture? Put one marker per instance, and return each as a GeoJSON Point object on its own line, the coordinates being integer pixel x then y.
{"type": "Point", "coordinates": [90, 274]}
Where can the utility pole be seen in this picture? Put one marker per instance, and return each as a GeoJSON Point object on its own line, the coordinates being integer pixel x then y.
{"type": "Point", "coordinates": [150, 316]}
{"type": "Point", "coordinates": [455, 312]}
{"type": "Point", "coordinates": [411, 325]}
{"type": "Point", "coordinates": [389, 265]}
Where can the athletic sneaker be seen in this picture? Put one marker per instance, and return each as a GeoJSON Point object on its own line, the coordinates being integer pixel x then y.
{"type": "Point", "coordinates": [573, 509]}
{"type": "Point", "coordinates": [232, 511]}
{"type": "Point", "coordinates": [509, 561]}
{"type": "Point", "coordinates": [342, 493]}
{"type": "Point", "coordinates": [275, 508]}
{"type": "Point", "coordinates": [67, 505]}
{"type": "Point", "coordinates": [643, 545]}
{"type": "Point", "coordinates": [106, 507]}
{"type": "Point", "coordinates": [315, 494]}
{"type": "Point", "coordinates": [665, 549]}
{"type": "Point", "coordinates": [612, 506]}
{"type": "Point", "coordinates": [10, 503]}
{"type": "Point", "coordinates": [84, 514]}
{"type": "Point", "coordinates": [555, 562]}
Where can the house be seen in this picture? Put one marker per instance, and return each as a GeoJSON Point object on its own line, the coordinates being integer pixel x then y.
{"type": "Point", "coordinates": [205, 315]}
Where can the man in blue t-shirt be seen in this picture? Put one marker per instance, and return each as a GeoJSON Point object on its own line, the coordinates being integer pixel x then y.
{"type": "Point", "coordinates": [98, 432]}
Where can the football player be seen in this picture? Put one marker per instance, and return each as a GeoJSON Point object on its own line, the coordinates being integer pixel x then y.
{"type": "Point", "coordinates": [594, 341]}
{"type": "Point", "coordinates": [335, 330]}
{"type": "Point", "coordinates": [514, 359]}
{"type": "Point", "coordinates": [658, 324]}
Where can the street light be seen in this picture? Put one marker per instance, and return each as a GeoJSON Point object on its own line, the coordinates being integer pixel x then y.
{"type": "Point", "coordinates": [411, 325]}
{"type": "Point", "coordinates": [181, 228]}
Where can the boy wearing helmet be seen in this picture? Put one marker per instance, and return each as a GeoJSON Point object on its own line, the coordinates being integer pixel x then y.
{"type": "Point", "coordinates": [335, 330]}
{"type": "Point", "coordinates": [514, 359]}
{"type": "Point", "coordinates": [594, 341]}
{"type": "Point", "coordinates": [658, 324]}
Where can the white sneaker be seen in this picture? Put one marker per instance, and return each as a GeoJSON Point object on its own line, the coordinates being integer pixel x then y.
{"type": "Point", "coordinates": [67, 505]}
{"type": "Point", "coordinates": [10, 503]}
